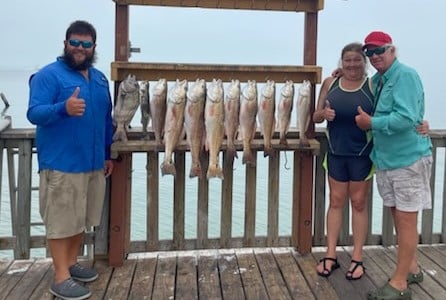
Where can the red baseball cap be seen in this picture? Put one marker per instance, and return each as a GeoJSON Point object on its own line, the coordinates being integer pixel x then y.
{"type": "Point", "coordinates": [377, 38]}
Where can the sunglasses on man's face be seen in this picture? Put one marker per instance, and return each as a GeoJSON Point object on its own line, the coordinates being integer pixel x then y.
{"type": "Point", "coordinates": [76, 43]}
{"type": "Point", "coordinates": [377, 51]}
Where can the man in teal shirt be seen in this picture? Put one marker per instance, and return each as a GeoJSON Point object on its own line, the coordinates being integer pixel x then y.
{"type": "Point", "coordinates": [402, 157]}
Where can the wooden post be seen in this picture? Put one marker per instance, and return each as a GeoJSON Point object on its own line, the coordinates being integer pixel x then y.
{"type": "Point", "coordinates": [120, 183]}
{"type": "Point", "coordinates": [303, 161]}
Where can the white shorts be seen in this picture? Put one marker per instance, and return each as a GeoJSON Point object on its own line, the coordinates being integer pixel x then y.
{"type": "Point", "coordinates": [407, 189]}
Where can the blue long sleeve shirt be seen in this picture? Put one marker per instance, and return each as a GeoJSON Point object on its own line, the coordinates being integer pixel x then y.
{"type": "Point", "coordinates": [400, 108]}
{"type": "Point", "coordinates": [65, 143]}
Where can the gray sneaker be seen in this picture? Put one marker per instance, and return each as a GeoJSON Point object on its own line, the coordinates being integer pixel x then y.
{"type": "Point", "coordinates": [70, 290]}
{"type": "Point", "coordinates": [83, 274]}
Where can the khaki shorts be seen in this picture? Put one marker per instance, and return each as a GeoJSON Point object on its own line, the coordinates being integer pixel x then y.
{"type": "Point", "coordinates": [70, 202]}
{"type": "Point", "coordinates": [407, 189]}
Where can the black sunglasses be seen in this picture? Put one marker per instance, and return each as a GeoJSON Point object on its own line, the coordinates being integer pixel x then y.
{"type": "Point", "coordinates": [76, 43]}
{"type": "Point", "coordinates": [377, 51]}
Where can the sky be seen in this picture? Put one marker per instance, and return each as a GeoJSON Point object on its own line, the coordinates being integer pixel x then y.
{"type": "Point", "coordinates": [32, 35]}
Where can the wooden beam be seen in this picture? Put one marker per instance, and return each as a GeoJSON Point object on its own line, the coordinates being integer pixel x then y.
{"type": "Point", "coordinates": [155, 71]}
{"type": "Point", "coordinates": [277, 5]}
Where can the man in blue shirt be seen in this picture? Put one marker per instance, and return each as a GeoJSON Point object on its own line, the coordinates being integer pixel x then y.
{"type": "Point", "coordinates": [402, 157]}
{"type": "Point", "coordinates": [71, 105]}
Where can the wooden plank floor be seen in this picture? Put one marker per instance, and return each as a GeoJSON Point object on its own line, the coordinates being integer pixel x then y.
{"type": "Point", "coordinates": [267, 273]}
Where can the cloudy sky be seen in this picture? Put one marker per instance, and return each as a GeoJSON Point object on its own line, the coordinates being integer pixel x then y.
{"type": "Point", "coordinates": [32, 35]}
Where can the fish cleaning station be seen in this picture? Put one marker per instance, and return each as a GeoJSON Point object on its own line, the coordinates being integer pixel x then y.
{"type": "Point", "coordinates": [244, 209]}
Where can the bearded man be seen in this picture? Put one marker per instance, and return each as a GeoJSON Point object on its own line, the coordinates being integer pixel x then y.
{"type": "Point", "coordinates": [71, 106]}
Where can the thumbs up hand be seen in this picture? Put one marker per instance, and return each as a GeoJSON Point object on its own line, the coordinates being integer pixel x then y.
{"type": "Point", "coordinates": [75, 106]}
{"type": "Point", "coordinates": [363, 119]}
{"type": "Point", "coordinates": [329, 113]}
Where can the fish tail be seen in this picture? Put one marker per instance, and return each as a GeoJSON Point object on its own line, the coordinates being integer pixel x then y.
{"type": "Point", "coordinates": [232, 152]}
{"type": "Point", "coordinates": [283, 140]}
{"type": "Point", "coordinates": [168, 168]}
{"type": "Point", "coordinates": [195, 171]}
{"type": "Point", "coordinates": [248, 158]}
{"type": "Point", "coordinates": [304, 141]}
{"type": "Point", "coordinates": [268, 151]}
{"type": "Point", "coordinates": [215, 171]}
{"type": "Point", "coordinates": [120, 134]}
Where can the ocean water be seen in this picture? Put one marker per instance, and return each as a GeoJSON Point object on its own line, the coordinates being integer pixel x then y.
{"type": "Point", "coordinates": [14, 84]}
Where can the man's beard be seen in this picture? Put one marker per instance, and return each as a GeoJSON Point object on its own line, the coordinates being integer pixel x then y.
{"type": "Point", "coordinates": [71, 62]}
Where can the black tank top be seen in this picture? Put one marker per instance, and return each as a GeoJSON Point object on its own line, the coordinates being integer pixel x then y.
{"type": "Point", "coordinates": [344, 136]}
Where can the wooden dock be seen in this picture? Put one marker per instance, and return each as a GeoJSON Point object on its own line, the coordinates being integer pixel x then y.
{"type": "Point", "coordinates": [256, 273]}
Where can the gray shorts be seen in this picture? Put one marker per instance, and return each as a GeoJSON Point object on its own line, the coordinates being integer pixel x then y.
{"type": "Point", "coordinates": [70, 202]}
{"type": "Point", "coordinates": [407, 189]}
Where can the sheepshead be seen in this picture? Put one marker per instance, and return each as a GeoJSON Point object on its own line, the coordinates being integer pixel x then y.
{"type": "Point", "coordinates": [214, 122]}
{"type": "Point", "coordinates": [247, 118]}
{"type": "Point", "coordinates": [126, 106]}
{"type": "Point", "coordinates": [232, 109]}
{"type": "Point", "coordinates": [284, 110]}
{"type": "Point", "coordinates": [303, 110]}
{"type": "Point", "coordinates": [158, 109]}
{"type": "Point", "coordinates": [144, 106]}
{"type": "Point", "coordinates": [194, 124]}
{"type": "Point", "coordinates": [173, 126]}
{"type": "Point", "coordinates": [266, 114]}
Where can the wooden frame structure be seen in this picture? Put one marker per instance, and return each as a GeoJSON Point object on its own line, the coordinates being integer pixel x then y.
{"type": "Point", "coordinates": [303, 159]}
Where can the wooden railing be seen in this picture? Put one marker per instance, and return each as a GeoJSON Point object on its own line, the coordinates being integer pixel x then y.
{"type": "Point", "coordinates": [18, 144]}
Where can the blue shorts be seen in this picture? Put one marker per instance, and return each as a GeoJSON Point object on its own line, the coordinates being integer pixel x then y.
{"type": "Point", "coordinates": [348, 168]}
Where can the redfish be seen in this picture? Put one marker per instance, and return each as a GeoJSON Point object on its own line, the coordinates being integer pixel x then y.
{"type": "Point", "coordinates": [194, 124]}
{"type": "Point", "coordinates": [284, 110]}
{"type": "Point", "coordinates": [173, 126]}
{"type": "Point", "coordinates": [232, 110]}
{"type": "Point", "coordinates": [214, 123]}
{"type": "Point", "coordinates": [266, 113]}
{"type": "Point", "coordinates": [247, 118]}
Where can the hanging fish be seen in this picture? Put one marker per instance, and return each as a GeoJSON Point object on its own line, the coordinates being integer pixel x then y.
{"type": "Point", "coordinates": [284, 110]}
{"type": "Point", "coordinates": [267, 119]}
{"type": "Point", "coordinates": [232, 110]}
{"type": "Point", "coordinates": [144, 106]}
{"type": "Point", "coordinates": [248, 112]}
{"type": "Point", "coordinates": [173, 125]}
{"type": "Point", "coordinates": [303, 110]}
{"type": "Point", "coordinates": [126, 106]}
{"type": "Point", "coordinates": [194, 124]}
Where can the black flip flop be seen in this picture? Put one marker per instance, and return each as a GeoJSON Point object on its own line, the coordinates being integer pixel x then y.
{"type": "Point", "coordinates": [326, 271]}
{"type": "Point", "coordinates": [349, 274]}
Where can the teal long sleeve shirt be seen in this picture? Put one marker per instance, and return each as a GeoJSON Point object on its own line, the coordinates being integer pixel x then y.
{"type": "Point", "coordinates": [399, 109]}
